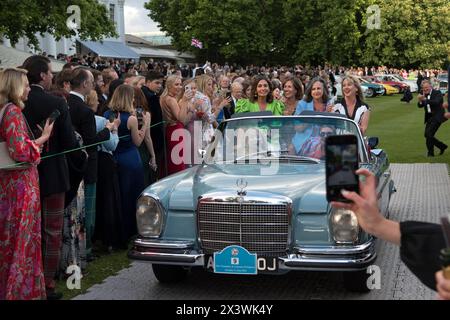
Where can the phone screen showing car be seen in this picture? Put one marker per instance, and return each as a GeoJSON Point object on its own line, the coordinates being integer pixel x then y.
{"type": "Point", "coordinates": [341, 166]}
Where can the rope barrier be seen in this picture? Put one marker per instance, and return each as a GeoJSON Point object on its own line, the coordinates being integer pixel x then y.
{"type": "Point", "coordinates": [69, 151]}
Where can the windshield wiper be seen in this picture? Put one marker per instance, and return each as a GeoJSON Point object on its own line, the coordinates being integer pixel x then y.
{"type": "Point", "coordinates": [247, 157]}
{"type": "Point", "coordinates": [276, 155]}
{"type": "Point", "coordinates": [298, 158]}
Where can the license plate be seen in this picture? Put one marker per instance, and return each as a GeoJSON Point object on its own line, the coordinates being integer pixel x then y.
{"type": "Point", "coordinates": [237, 260]}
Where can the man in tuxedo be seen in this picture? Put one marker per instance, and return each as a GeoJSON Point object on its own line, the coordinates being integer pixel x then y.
{"type": "Point", "coordinates": [83, 121]}
{"type": "Point", "coordinates": [151, 89]}
{"type": "Point", "coordinates": [431, 100]}
{"type": "Point", "coordinates": [53, 172]}
{"type": "Point", "coordinates": [236, 94]}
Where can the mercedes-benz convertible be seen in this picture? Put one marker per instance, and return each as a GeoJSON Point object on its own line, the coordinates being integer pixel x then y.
{"type": "Point", "coordinates": [257, 203]}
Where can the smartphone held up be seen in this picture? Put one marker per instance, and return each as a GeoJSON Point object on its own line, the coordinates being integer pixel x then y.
{"type": "Point", "coordinates": [341, 166]}
{"type": "Point", "coordinates": [51, 118]}
{"type": "Point", "coordinates": [140, 117]}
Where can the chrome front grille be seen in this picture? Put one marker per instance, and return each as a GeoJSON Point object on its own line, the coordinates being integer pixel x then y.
{"type": "Point", "coordinates": [260, 228]}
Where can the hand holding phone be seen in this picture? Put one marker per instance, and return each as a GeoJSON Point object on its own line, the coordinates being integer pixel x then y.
{"type": "Point", "coordinates": [140, 117]}
{"type": "Point", "coordinates": [54, 115]}
{"type": "Point", "coordinates": [341, 166]}
{"type": "Point", "coordinates": [51, 119]}
{"type": "Point", "coordinates": [46, 129]}
{"type": "Point", "coordinates": [113, 116]}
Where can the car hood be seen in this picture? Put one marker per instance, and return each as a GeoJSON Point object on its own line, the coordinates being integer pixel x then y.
{"type": "Point", "coordinates": [371, 85]}
{"type": "Point", "coordinates": [304, 184]}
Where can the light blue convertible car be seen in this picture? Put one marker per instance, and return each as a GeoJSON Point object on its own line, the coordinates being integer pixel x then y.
{"type": "Point", "coordinates": [257, 204]}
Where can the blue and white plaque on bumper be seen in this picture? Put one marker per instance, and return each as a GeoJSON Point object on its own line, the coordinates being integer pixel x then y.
{"type": "Point", "coordinates": [235, 260]}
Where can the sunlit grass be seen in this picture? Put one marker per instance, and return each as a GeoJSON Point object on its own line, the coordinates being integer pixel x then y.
{"type": "Point", "coordinates": [400, 127]}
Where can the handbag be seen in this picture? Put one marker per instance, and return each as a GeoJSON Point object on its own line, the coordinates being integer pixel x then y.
{"type": "Point", "coordinates": [6, 162]}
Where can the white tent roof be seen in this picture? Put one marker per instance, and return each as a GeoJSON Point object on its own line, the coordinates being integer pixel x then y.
{"type": "Point", "coordinates": [146, 52]}
{"type": "Point", "coordinates": [12, 58]}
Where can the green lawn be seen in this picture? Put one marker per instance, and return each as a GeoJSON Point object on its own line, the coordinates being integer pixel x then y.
{"type": "Point", "coordinates": [104, 266]}
{"type": "Point", "coordinates": [400, 127]}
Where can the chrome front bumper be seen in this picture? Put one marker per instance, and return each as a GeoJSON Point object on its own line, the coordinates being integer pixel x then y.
{"type": "Point", "coordinates": [182, 253]}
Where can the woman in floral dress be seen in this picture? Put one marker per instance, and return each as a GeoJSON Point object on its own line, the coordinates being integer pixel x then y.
{"type": "Point", "coordinates": [21, 274]}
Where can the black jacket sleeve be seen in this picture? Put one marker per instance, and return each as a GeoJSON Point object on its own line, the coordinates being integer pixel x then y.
{"type": "Point", "coordinates": [436, 100]}
{"type": "Point", "coordinates": [88, 131]}
{"type": "Point", "coordinates": [64, 127]}
{"type": "Point", "coordinates": [421, 244]}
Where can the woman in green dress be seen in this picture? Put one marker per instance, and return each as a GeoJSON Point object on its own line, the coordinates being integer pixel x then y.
{"type": "Point", "coordinates": [261, 98]}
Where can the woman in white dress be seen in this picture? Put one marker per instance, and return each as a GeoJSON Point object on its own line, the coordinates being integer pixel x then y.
{"type": "Point", "coordinates": [353, 105]}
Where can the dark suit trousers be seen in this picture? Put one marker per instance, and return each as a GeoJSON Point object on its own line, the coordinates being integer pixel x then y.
{"type": "Point", "coordinates": [431, 128]}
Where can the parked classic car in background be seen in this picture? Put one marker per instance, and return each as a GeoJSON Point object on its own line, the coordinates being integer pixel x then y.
{"type": "Point", "coordinates": [258, 205]}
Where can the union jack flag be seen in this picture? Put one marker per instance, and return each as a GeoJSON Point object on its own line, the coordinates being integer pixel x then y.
{"type": "Point", "coordinates": [197, 43]}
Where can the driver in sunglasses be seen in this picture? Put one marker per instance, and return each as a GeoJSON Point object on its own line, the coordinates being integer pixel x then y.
{"type": "Point", "coordinates": [314, 147]}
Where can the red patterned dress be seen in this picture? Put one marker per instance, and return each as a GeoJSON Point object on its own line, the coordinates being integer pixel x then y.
{"type": "Point", "coordinates": [21, 274]}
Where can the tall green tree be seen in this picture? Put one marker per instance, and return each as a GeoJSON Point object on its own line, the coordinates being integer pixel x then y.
{"type": "Point", "coordinates": [412, 33]}
{"type": "Point", "coordinates": [233, 29]}
{"type": "Point", "coordinates": [322, 31]}
{"type": "Point", "coordinates": [25, 18]}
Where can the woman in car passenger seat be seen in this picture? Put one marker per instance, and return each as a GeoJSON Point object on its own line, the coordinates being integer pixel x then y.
{"type": "Point", "coordinates": [353, 105]}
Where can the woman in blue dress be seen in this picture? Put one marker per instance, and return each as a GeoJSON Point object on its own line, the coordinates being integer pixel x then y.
{"type": "Point", "coordinates": [317, 97]}
{"type": "Point", "coordinates": [130, 168]}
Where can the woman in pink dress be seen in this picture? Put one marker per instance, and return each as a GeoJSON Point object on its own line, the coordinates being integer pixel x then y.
{"type": "Point", "coordinates": [176, 116]}
{"type": "Point", "coordinates": [21, 274]}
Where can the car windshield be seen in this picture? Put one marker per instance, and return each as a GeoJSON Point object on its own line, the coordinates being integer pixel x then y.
{"type": "Point", "coordinates": [290, 139]}
{"type": "Point", "coordinates": [398, 77]}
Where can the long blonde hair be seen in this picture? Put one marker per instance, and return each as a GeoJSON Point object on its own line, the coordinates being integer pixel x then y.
{"type": "Point", "coordinates": [202, 83]}
{"type": "Point", "coordinates": [357, 84]}
{"type": "Point", "coordinates": [12, 86]}
{"type": "Point", "coordinates": [169, 84]}
{"type": "Point", "coordinates": [122, 99]}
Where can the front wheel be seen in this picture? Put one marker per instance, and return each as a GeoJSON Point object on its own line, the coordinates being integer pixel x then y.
{"type": "Point", "coordinates": [356, 281]}
{"type": "Point", "coordinates": [168, 273]}
{"type": "Point", "coordinates": [370, 93]}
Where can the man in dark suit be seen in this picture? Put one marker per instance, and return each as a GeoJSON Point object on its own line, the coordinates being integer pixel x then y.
{"type": "Point", "coordinates": [53, 172]}
{"type": "Point", "coordinates": [236, 94]}
{"type": "Point", "coordinates": [151, 89]}
{"type": "Point", "coordinates": [431, 100]}
{"type": "Point", "coordinates": [83, 121]}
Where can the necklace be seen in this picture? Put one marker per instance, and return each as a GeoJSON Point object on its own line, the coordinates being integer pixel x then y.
{"type": "Point", "coordinates": [319, 106]}
{"type": "Point", "coordinates": [262, 106]}
{"type": "Point", "coordinates": [291, 104]}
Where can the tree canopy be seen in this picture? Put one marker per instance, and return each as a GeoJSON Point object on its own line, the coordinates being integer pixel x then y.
{"type": "Point", "coordinates": [25, 18]}
{"type": "Point", "coordinates": [412, 33]}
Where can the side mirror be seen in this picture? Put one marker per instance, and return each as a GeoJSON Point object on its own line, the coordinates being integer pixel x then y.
{"type": "Point", "coordinates": [373, 142]}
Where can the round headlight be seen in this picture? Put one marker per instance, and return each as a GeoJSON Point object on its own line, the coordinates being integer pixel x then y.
{"type": "Point", "coordinates": [149, 217]}
{"type": "Point", "coordinates": [344, 226]}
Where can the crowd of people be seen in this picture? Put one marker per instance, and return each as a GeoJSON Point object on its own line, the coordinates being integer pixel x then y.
{"type": "Point", "coordinates": [113, 134]}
